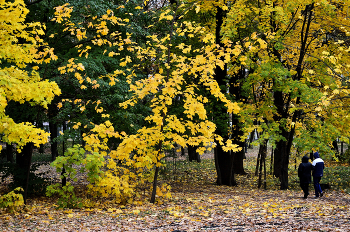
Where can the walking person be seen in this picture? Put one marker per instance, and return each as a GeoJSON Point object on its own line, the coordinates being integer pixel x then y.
{"type": "Point", "coordinates": [304, 174]}
{"type": "Point", "coordinates": [317, 173]}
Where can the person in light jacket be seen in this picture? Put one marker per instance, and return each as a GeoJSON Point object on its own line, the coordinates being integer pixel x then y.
{"type": "Point", "coordinates": [304, 174]}
{"type": "Point", "coordinates": [317, 173]}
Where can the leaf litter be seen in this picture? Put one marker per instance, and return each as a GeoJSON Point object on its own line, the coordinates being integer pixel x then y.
{"type": "Point", "coordinates": [195, 206]}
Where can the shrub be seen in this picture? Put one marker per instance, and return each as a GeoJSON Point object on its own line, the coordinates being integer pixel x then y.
{"type": "Point", "coordinates": [67, 166]}
{"type": "Point", "coordinates": [12, 200]}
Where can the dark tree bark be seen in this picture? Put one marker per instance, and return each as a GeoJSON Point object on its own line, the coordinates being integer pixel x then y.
{"type": "Point", "coordinates": [271, 164]}
{"type": "Point", "coordinates": [335, 146]}
{"type": "Point", "coordinates": [258, 162]}
{"type": "Point", "coordinates": [225, 167]}
{"type": "Point", "coordinates": [223, 160]}
{"type": "Point", "coordinates": [9, 152]}
{"type": "Point", "coordinates": [182, 151]}
{"type": "Point", "coordinates": [155, 178]}
{"type": "Point", "coordinates": [281, 161]}
{"type": "Point", "coordinates": [263, 153]}
{"type": "Point", "coordinates": [235, 90]}
{"type": "Point", "coordinates": [154, 186]}
{"type": "Point", "coordinates": [251, 138]}
{"type": "Point", "coordinates": [23, 162]}
{"type": "Point", "coordinates": [192, 154]}
{"type": "Point", "coordinates": [54, 144]}
{"type": "Point", "coordinates": [41, 148]}
{"type": "Point", "coordinates": [227, 163]}
{"type": "Point", "coordinates": [52, 113]}
{"type": "Point", "coordinates": [279, 104]}
{"type": "Point", "coordinates": [282, 150]}
{"type": "Point", "coordinates": [238, 162]}
{"type": "Point", "coordinates": [217, 167]}
{"type": "Point", "coordinates": [342, 148]}
{"type": "Point", "coordinates": [238, 156]}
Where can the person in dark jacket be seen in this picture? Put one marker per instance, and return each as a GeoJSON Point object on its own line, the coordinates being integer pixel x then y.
{"type": "Point", "coordinates": [317, 173]}
{"type": "Point", "coordinates": [304, 174]}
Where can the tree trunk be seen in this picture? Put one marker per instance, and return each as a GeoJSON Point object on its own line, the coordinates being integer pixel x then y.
{"type": "Point", "coordinates": [52, 114]}
{"type": "Point", "coordinates": [335, 146]}
{"type": "Point", "coordinates": [155, 178]}
{"type": "Point", "coordinates": [223, 160]}
{"type": "Point", "coordinates": [238, 166]}
{"type": "Point", "coordinates": [9, 152]}
{"type": "Point", "coordinates": [217, 167]}
{"type": "Point", "coordinates": [257, 162]}
{"type": "Point", "coordinates": [279, 104]}
{"type": "Point", "coordinates": [54, 144]}
{"type": "Point", "coordinates": [263, 152]}
{"type": "Point", "coordinates": [283, 146]}
{"type": "Point", "coordinates": [271, 164]}
{"type": "Point", "coordinates": [342, 148]}
{"type": "Point", "coordinates": [281, 166]}
{"type": "Point", "coordinates": [53, 127]}
{"type": "Point", "coordinates": [282, 101]}
{"type": "Point", "coordinates": [29, 151]}
{"type": "Point", "coordinates": [225, 172]}
{"type": "Point", "coordinates": [193, 155]}
{"type": "Point", "coordinates": [182, 151]}
{"type": "Point", "coordinates": [41, 148]}
{"type": "Point", "coordinates": [238, 156]}
{"type": "Point", "coordinates": [154, 190]}
{"type": "Point", "coordinates": [251, 139]}
{"type": "Point", "coordinates": [23, 162]}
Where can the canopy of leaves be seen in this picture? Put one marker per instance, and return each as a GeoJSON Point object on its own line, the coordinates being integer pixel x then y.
{"type": "Point", "coordinates": [21, 49]}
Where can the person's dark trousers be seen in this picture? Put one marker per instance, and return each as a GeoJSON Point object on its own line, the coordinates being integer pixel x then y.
{"type": "Point", "coordinates": [305, 188]}
{"type": "Point", "coordinates": [318, 190]}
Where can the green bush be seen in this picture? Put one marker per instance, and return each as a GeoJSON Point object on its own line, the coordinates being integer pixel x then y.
{"type": "Point", "coordinates": [12, 200]}
{"type": "Point", "coordinates": [66, 165]}
{"type": "Point", "coordinates": [67, 199]}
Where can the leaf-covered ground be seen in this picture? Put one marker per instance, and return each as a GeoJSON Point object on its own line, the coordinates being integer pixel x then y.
{"type": "Point", "coordinates": [196, 205]}
{"type": "Point", "coordinates": [210, 208]}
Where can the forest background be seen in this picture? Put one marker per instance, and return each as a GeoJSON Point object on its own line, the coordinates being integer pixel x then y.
{"type": "Point", "coordinates": [125, 86]}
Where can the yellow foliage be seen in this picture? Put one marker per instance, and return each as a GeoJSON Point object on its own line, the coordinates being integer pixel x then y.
{"type": "Point", "coordinates": [17, 84]}
{"type": "Point", "coordinates": [139, 154]}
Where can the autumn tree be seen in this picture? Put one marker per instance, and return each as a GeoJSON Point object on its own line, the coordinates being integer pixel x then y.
{"type": "Point", "coordinates": [21, 50]}
{"type": "Point", "coordinates": [177, 70]}
{"type": "Point", "coordinates": [212, 16]}
{"type": "Point", "coordinates": [295, 69]}
{"type": "Point", "coordinates": [89, 98]}
{"type": "Point", "coordinates": [190, 73]}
